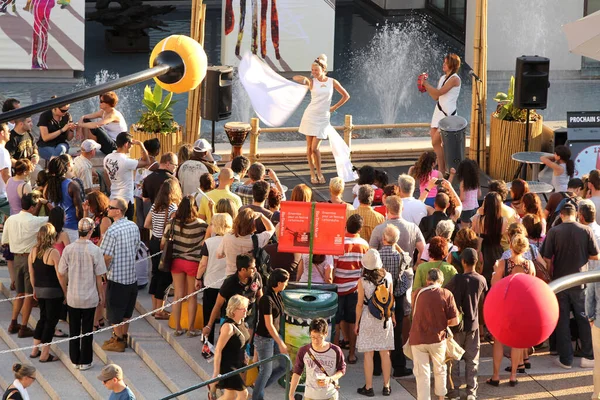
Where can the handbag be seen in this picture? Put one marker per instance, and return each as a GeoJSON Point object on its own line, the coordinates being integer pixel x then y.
{"type": "Point", "coordinates": [407, 349]}
{"type": "Point", "coordinates": [167, 255]}
{"type": "Point", "coordinates": [453, 350]}
{"type": "Point", "coordinates": [540, 270]}
{"type": "Point", "coordinates": [323, 370]}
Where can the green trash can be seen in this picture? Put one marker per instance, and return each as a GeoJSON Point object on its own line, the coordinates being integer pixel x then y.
{"type": "Point", "coordinates": [301, 307]}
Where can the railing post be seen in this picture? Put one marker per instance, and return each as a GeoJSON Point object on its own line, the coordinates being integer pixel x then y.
{"type": "Point", "coordinates": [348, 132]}
{"type": "Point", "coordinates": [254, 132]}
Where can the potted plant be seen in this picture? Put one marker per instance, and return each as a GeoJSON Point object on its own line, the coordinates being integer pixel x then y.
{"type": "Point", "coordinates": [507, 134]}
{"type": "Point", "coordinates": [157, 121]}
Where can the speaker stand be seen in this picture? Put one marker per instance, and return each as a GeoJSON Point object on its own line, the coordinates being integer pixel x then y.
{"type": "Point", "coordinates": [480, 123]}
{"type": "Point", "coordinates": [524, 166]}
{"type": "Point", "coordinates": [213, 135]}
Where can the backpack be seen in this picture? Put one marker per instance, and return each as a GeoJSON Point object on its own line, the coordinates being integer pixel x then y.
{"type": "Point", "coordinates": [142, 265]}
{"type": "Point", "coordinates": [263, 260]}
{"type": "Point", "coordinates": [556, 214]}
{"type": "Point", "coordinates": [381, 302]}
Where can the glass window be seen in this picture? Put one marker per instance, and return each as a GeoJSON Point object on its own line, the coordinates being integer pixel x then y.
{"type": "Point", "coordinates": [457, 10]}
{"type": "Point", "coordinates": [439, 4]}
{"type": "Point", "coordinates": [591, 6]}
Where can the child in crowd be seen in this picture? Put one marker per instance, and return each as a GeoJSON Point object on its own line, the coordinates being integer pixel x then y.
{"type": "Point", "coordinates": [423, 170]}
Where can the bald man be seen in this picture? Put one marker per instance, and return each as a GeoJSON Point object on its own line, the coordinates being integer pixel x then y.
{"type": "Point", "coordinates": [222, 192]}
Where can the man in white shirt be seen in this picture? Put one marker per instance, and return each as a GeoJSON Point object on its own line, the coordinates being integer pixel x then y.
{"type": "Point", "coordinates": [201, 162]}
{"type": "Point", "coordinates": [20, 232]}
{"type": "Point", "coordinates": [414, 209]}
{"type": "Point", "coordinates": [83, 167]}
{"type": "Point", "coordinates": [120, 168]}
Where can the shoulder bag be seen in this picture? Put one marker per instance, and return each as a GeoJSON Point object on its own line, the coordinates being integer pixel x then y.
{"type": "Point", "coordinates": [167, 255]}
{"type": "Point", "coordinates": [407, 349]}
{"type": "Point", "coordinates": [323, 370]}
{"type": "Point", "coordinates": [540, 271]}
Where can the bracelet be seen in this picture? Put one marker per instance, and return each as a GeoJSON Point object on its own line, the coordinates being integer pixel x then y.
{"type": "Point", "coordinates": [199, 279]}
{"type": "Point", "coordinates": [427, 190]}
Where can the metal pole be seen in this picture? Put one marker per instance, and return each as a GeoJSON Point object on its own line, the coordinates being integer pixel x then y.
{"type": "Point", "coordinates": [524, 166]}
{"type": "Point", "coordinates": [213, 136]}
{"type": "Point", "coordinates": [310, 244]}
{"type": "Point", "coordinates": [569, 281]}
{"type": "Point", "coordinates": [85, 93]}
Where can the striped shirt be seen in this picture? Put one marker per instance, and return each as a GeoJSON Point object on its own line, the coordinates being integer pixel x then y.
{"type": "Point", "coordinates": [121, 241]}
{"type": "Point", "coordinates": [371, 219]}
{"type": "Point", "coordinates": [187, 242]}
{"type": "Point", "coordinates": [159, 219]}
{"type": "Point", "coordinates": [348, 269]}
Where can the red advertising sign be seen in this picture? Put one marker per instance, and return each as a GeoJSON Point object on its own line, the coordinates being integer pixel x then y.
{"type": "Point", "coordinates": [329, 228]}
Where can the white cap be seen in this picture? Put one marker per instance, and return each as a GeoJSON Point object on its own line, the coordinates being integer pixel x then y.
{"type": "Point", "coordinates": [88, 145]}
{"type": "Point", "coordinates": [202, 145]}
{"type": "Point", "coordinates": [371, 260]}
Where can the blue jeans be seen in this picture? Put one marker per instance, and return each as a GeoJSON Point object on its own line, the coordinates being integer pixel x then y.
{"type": "Point", "coordinates": [572, 300]}
{"type": "Point", "coordinates": [47, 152]}
{"type": "Point", "coordinates": [266, 347]}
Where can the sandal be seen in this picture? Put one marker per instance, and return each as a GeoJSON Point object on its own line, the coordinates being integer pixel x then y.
{"type": "Point", "coordinates": [520, 369]}
{"type": "Point", "coordinates": [36, 355]}
{"type": "Point", "coordinates": [352, 361]}
{"type": "Point", "coordinates": [59, 333]}
{"type": "Point", "coordinates": [162, 315]}
{"type": "Point", "coordinates": [493, 382]}
{"type": "Point", "coordinates": [96, 328]}
{"type": "Point", "coordinates": [193, 333]}
{"type": "Point", "coordinates": [101, 322]}
{"type": "Point", "coordinates": [51, 358]}
{"type": "Point", "coordinates": [179, 332]}
{"type": "Point", "coordinates": [321, 179]}
{"type": "Point", "coordinates": [344, 344]}
{"type": "Point", "coordinates": [314, 180]}
{"type": "Point", "coordinates": [526, 363]}
{"type": "Point", "coordinates": [513, 383]}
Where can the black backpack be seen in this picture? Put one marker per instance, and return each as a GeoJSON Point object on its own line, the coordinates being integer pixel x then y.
{"type": "Point", "coordinates": [263, 260]}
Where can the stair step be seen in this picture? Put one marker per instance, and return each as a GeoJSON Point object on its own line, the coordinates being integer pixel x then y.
{"type": "Point", "coordinates": [48, 374]}
{"type": "Point", "coordinates": [7, 376]}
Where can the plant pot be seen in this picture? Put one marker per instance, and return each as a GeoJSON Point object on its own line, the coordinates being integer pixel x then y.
{"type": "Point", "coordinates": [170, 142]}
{"type": "Point", "coordinates": [507, 138]}
{"type": "Point", "coordinates": [118, 43]}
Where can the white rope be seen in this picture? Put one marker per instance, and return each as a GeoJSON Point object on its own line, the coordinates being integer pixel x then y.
{"type": "Point", "coordinates": [112, 326]}
{"type": "Point", "coordinates": [29, 295]}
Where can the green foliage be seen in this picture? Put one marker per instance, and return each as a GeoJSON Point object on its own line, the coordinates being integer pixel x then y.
{"type": "Point", "coordinates": [506, 109]}
{"type": "Point", "coordinates": [158, 117]}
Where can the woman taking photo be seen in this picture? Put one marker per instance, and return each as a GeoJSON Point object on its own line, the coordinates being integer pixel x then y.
{"type": "Point", "coordinates": [56, 128]}
{"type": "Point", "coordinates": [96, 207]}
{"type": "Point", "coordinates": [562, 167]}
{"type": "Point", "coordinates": [230, 351]}
{"type": "Point", "coordinates": [162, 211]}
{"type": "Point", "coordinates": [47, 290]}
{"type": "Point", "coordinates": [515, 264]}
{"type": "Point", "coordinates": [18, 185]}
{"type": "Point", "coordinates": [239, 241]}
{"type": "Point", "coordinates": [24, 377]}
{"type": "Point", "coordinates": [446, 94]}
{"type": "Point", "coordinates": [188, 235]}
{"type": "Point", "coordinates": [315, 124]}
{"type": "Point", "coordinates": [109, 124]}
{"type": "Point", "coordinates": [372, 333]}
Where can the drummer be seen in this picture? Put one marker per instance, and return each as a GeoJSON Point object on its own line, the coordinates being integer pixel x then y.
{"type": "Point", "coordinates": [202, 161]}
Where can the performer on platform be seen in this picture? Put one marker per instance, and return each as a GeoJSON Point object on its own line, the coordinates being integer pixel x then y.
{"type": "Point", "coordinates": [315, 124]}
{"type": "Point", "coordinates": [445, 94]}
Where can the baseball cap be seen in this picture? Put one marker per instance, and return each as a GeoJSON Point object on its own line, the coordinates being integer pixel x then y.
{"type": "Point", "coordinates": [371, 260]}
{"type": "Point", "coordinates": [88, 145]}
{"type": "Point", "coordinates": [569, 206]}
{"type": "Point", "coordinates": [469, 256]}
{"type": "Point", "coordinates": [85, 225]}
{"type": "Point", "coordinates": [202, 145]}
{"type": "Point", "coordinates": [111, 371]}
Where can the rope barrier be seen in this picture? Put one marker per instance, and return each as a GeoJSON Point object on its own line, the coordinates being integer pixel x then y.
{"type": "Point", "coordinates": [112, 326]}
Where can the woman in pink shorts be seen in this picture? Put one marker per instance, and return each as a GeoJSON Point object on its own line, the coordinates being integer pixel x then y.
{"type": "Point", "coordinates": [189, 231]}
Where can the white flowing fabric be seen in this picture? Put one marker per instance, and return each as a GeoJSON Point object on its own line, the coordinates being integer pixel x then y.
{"type": "Point", "coordinates": [275, 98]}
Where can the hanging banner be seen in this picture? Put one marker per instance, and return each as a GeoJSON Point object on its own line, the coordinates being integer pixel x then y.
{"type": "Point", "coordinates": [294, 228]}
{"type": "Point", "coordinates": [42, 34]}
{"type": "Point", "coordinates": [287, 34]}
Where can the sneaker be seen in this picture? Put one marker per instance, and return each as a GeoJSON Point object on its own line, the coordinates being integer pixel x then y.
{"type": "Point", "coordinates": [586, 363]}
{"type": "Point", "coordinates": [13, 327]}
{"type": "Point", "coordinates": [117, 345]}
{"type": "Point", "coordinates": [400, 372]}
{"type": "Point", "coordinates": [471, 397]}
{"type": "Point", "coordinates": [366, 392]}
{"type": "Point", "coordinates": [559, 364]}
{"type": "Point", "coordinates": [76, 366]}
{"type": "Point", "coordinates": [25, 332]}
{"type": "Point", "coordinates": [85, 367]}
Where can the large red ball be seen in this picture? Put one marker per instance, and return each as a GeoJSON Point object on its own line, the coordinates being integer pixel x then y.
{"type": "Point", "coordinates": [521, 311]}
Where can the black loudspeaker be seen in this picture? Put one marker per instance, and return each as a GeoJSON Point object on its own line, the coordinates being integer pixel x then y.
{"type": "Point", "coordinates": [531, 82]}
{"type": "Point", "coordinates": [216, 93]}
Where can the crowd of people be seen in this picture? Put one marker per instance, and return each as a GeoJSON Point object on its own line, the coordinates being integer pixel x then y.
{"type": "Point", "coordinates": [70, 240]}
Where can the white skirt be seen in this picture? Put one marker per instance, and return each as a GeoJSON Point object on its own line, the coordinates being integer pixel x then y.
{"type": "Point", "coordinates": [437, 117]}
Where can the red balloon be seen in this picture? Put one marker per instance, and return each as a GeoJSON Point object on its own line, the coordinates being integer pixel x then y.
{"type": "Point", "coordinates": [521, 311]}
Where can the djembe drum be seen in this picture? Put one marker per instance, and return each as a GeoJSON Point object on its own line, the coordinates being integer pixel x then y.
{"type": "Point", "coordinates": [237, 133]}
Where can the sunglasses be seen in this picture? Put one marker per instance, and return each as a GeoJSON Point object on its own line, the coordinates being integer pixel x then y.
{"type": "Point", "coordinates": [106, 381]}
{"type": "Point", "coordinates": [63, 110]}
{"type": "Point", "coordinates": [32, 377]}
{"type": "Point", "coordinates": [113, 208]}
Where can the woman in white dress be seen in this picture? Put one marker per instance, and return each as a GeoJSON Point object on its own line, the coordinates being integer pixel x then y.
{"type": "Point", "coordinates": [315, 121]}
{"type": "Point", "coordinates": [372, 334]}
{"type": "Point", "coordinates": [446, 94]}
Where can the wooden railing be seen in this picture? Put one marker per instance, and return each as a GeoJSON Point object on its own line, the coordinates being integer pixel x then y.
{"type": "Point", "coordinates": [347, 128]}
